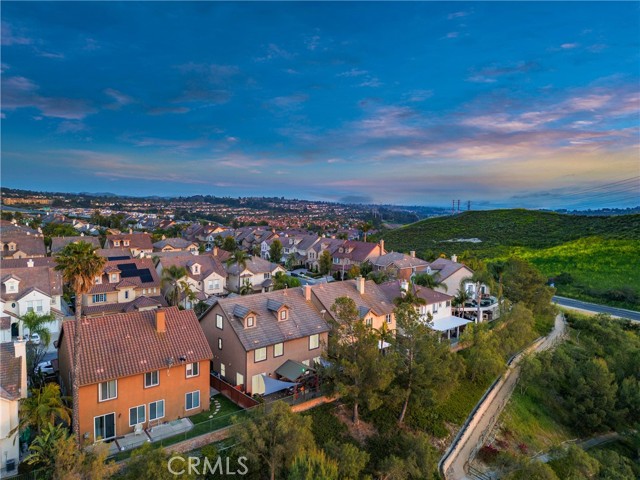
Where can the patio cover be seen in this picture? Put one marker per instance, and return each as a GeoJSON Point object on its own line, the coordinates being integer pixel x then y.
{"type": "Point", "coordinates": [292, 370]}
{"type": "Point", "coordinates": [271, 385]}
{"type": "Point", "coordinates": [447, 323]}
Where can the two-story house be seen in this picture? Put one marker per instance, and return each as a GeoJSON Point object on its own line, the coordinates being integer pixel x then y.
{"type": "Point", "coordinates": [123, 286]}
{"type": "Point", "coordinates": [449, 272]}
{"type": "Point", "coordinates": [205, 275]}
{"type": "Point", "coordinates": [139, 243]}
{"type": "Point", "coordinates": [31, 284]}
{"type": "Point", "coordinates": [17, 243]}
{"type": "Point", "coordinates": [374, 306]}
{"type": "Point", "coordinates": [353, 252]}
{"type": "Point", "coordinates": [258, 273]}
{"type": "Point", "coordinates": [58, 243]}
{"type": "Point", "coordinates": [299, 246]}
{"type": "Point", "coordinates": [137, 370]}
{"type": "Point", "coordinates": [253, 336]}
{"type": "Point", "coordinates": [399, 265]}
{"type": "Point", "coordinates": [175, 245]}
{"type": "Point", "coordinates": [13, 387]}
{"type": "Point", "coordinates": [316, 250]}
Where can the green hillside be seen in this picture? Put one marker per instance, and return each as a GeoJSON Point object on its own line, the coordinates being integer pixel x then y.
{"type": "Point", "coordinates": [600, 254]}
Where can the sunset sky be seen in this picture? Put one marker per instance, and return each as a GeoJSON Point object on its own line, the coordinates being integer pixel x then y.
{"type": "Point", "coordinates": [505, 104]}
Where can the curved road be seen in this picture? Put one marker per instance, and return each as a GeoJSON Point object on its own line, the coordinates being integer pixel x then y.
{"type": "Point", "coordinates": [595, 308]}
{"type": "Point", "coordinates": [487, 413]}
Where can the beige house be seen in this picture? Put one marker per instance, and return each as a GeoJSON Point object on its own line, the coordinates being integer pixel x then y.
{"type": "Point", "coordinates": [254, 336]}
{"type": "Point", "coordinates": [138, 243]}
{"type": "Point", "coordinates": [13, 387]}
{"type": "Point", "coordinates": [258, 273]}
{"type": "Point", "coordinates": [175, 245]}
{"type": "Point", "coordinates": [449, 272]}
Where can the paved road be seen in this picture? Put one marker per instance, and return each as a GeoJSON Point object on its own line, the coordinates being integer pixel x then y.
{"type": "Point", "coordinates": [594, 307]}
{"type": "Point", "coordinates": [492, 407]}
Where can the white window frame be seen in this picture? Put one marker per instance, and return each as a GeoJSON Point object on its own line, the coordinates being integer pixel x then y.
{"type": "Point", "coordinates": [189, 369]}
{"type": "Point", "coordinates": [99, 298]}
{"type": "Point", "coordinates": [115, 426]}
{"type": "Point", "coordinates": [192, 405]}
{"type": "Point", "coordinates": [137, 409]}
{"type": "Point", "coordinates": [220, 343]}
{"type": "Point", "coordinates": [252, 323]}
{"type": "Point", "coordinates": [283, 314]}
{"type": "Point", "coordinates": [388, 318]}
{"type": "Point", "coordinates": [219, 322]}
{"type": "Point", "coordinates": [156, 404]}
{"type": "Point", "coordinates": [314, 340]}
{"type": "Point", "coordinates": [223, 370]}
{"type": "Point", "coordinates": [150, 385]}
{"type": "Point", "coordinates": [275, 351]}
{"type": "Point", "coordinates": [100, 399]}
{"type": "Point", "coordinates": [255, 355]}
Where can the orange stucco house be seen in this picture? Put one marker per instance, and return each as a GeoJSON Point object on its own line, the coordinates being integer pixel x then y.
{"type": "Point", "coordinates": [137, 370]}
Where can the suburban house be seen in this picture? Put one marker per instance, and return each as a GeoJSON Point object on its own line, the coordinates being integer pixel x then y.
{"type": "Point", "coordinates": [399, 265]}
{"type": "Point", "coordinates": [138, 243]}
{"type": "Point", "coordinates": [299, 246]}
{"type": "Point", "coordinates": [257, 273]}
{"type": "Point", "coordinates": [114, 253]}
{"type": "Point", "coordinates": [13, 387]}
{"type": "Point", "coordinates": [124, 285]}
{"type": "Point", "coordinates": [137, 370]}
{"type": "Point", "coordinates": [175, 245]}
{"type": "Point", "coordinates": [22, 244]}
{"type": "Point", "coordinates": [436, 312]}
{"type": "Point", "coordinates": [28, 285]}
{"type": "Point", "coordinates": [58, 243]}
{"type": "Point", "coordinates": [449, 272]}
{"type": "Point", "coordinates": [254, 337]}
{"type": "Point", "coordinates": [374, 306]}
{"type": "Point", "coordinates": [352, 252]}
{"type": "Point", "coordinates": [205, 274]}
{"type": "Point", "coordinates": [314, 253]}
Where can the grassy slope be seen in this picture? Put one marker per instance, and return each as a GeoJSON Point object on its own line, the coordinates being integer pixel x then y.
{"type": "Point", "coordinates": [599, 252]}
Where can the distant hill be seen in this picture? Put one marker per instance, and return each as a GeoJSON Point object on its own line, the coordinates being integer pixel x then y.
{"type": "Point", "coordinates": [599, 256]}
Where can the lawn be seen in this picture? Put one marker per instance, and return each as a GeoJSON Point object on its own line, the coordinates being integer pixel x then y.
{"type": "Point", "coordinates": [226, 407]}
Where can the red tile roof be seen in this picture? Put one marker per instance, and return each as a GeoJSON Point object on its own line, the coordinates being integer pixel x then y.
{"type": "Point", "coordinates": [117, 346]}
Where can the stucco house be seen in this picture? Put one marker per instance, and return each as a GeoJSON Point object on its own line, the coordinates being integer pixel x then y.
{"type": "Point", "coordinates": [258, 273]}
{"type": "Point", "coordinates": [139, 243]}
{"type": "Point", "coordinates": [13, 387]}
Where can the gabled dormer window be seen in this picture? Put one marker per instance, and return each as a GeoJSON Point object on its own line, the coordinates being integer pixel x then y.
{"type": "Point", "coordinates": [113, 278]}
{"type": "Point", "coordinates": [12, 247]}
{"type": "Point", "coordinates": [250, 321]}
{"type": "Point", "coordinates": [12, 285]}
{"type": "Point", "coordinates": [284, 314]}
{"type": "Point", "coordinates": [195, 269]}
{"type": "Point", "coordinates": [116, 243]}
{"type": "Point", "coordinates": [126, 243]}
{"type": "Point", "coordinates": [98, 280]}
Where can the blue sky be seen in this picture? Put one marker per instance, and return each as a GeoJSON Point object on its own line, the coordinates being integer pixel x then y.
{"type": "Point", "coordinates": [504, 104]}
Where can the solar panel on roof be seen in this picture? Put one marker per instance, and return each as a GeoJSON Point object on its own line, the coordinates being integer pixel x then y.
{"type": "Point", "coordinates": [113, 259]}
{"type": "Point", "coordinates": [127, 266]}
{"type": "Point", "coordinates": [145, 275]}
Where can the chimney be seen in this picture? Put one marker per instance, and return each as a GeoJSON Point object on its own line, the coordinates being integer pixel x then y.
{"type": "Point", "coordinates": [307, 293]}
{"type": "Point", "coordinates": [20, 350]}
{"type": "Point", "coordinates": [215, 251]}
{"type": "Point", "coordinates": [381, 244]}
{"type": "Point", "coordinates": [161, 322]}
{"type": "Point", "coordinates": [412, 253]}
{"type": "Point", "coordinates": [360, 285]}
{"type": "Point", "coordinates": [454, 258]}
{"type": "Point", "coordinates": [164, 237]}
{"type": "Point", "coordinates": [130, 230]}
{"type": "Point", "coordinates": [30, 263]}
{"type": "Point", "coordinates": [82, 234]}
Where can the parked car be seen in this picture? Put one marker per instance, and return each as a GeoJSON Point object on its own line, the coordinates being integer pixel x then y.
{"type": "Point", "coordinates": [35, 339]}
{"type": "Point", "coordinates": [45, 368]}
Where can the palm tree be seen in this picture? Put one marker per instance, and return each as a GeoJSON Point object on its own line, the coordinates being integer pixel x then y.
{"type": "Point", "coordinates": [35, 323]}
{"type": "Point", "coordinates": [239, 258]}
{"type": "Point", "coordinates": [44, 406]}
{"type": "Point", "coordinates": [189, 293]}
{"type": "Point", "coordinates": [80, 265]}
{"type": "Point", "coordinates": [461, 298]}
{"type": "Point", "coordinates": [170, 283]}
{"type": "Point", "coordinates": [365, 227]}
{"type": "Point", "coordinates": [44, 447]}
{"type": "Point", "coordinates": [429, 281]}
{"type": "Point", "coordinates": [246, 287]}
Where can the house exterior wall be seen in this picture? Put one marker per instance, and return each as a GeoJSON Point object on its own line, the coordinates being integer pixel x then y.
{"type": "Point", "coordinates": [9, 444]}
{"type": "Point", "coordinates": [22, 307]}
{"type": "Point", "coordinates": [172, 388]}
{"type": "Point", "coordinates": [453, 281]}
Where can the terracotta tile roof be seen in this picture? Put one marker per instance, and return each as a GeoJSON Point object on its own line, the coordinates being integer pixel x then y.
{"type": "Point", "coordinates": [58, 243]}
{"type": "Point", "coordinates": [143, 269]}
{"type": "Point", "coordinates": [398, 259]}
{"type": "Point", "coordinates": [254, 265]}
{"type": "Point", "coordinates": [303, 319]}
{"type": "Point", "coordinates": [23, 262]}
{"type": "Point", "coordinates": [117, 346]}
{"type": "Point", "coordinates": [114, 252]}
{"type": "Point", "coordinates": [208, 265]}
{"type": "Point", "coordinates": [140, 241]}
{"type": "Point", "coordinates": [10, 372]}
{"type": "Point", "coordinates": [31, 245]}
{"type": "Point", "coordinates": [359, 251]}
{"type": "Point", "coordinates": [393, 290]}
{"type": "Point", "coordinates": [111, 308]}
{"type": "Point", "coordinates": [45, 279]}
{"type": "Point", "coordinates": [179, 243]}
{"type": "Point", "coordinates": [374, 298]}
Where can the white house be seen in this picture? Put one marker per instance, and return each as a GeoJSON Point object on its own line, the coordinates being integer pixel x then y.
{"type": "Point", "coordinates": [257, 272]}
{"type": "Point", "coordinates": [13, 387]}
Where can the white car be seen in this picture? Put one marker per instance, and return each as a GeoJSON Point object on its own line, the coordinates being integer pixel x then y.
{"type": "Point", "coordinates": [35, 338]}
{"type": "Point", "coordinates": [45, 368]}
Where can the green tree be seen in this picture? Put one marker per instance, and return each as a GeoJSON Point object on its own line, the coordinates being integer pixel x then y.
{"type": "Point", "coordinates": [275, 251]}
{"type": "Point", "coordinates": [170, 282]}
{"type": "Point", "coordinates": [483, 360]}
{"type": "Point", "coordinates": [282, 281]}
{"type": "Point", "coordinates": [44, 406]}
{"type": "Point", "coordinates": [291, 262]}
{"type": "Point", "coordinates": [229, 244]}
{"type": "Point", "coordinates": [151, 462]}
{"type": "Point", "coordinates": [353, 272]}
{"type": "Point", "coordinates": [365, 227]}
{"type": "Point", "coordinates": [574, 464]}
{"type": "Point", "coordinates": [532, 470]}
{"type": "Point", "coordinates": [357, 370]}
{"type": "Point", "coordinates": [429, 281]}
{"type": "Point", "coordinates": [523, 283]}
{"type": "Point", "coordinates": [518, 330]}
{"type": "Point", "coordinates": [275, 438]}
{"type": "Point", "coordinates": [80, 265]}
{"type": "Point", "coordinates": [34, 323]}
{"type": "Point", "coordinates": [325, 261]}
{"type": "Point", "coordinates": [351, 460]}
{"type": "Point", "coordinates": [239, 258]}
{"type": "Point", "coordinates": [313, 465]}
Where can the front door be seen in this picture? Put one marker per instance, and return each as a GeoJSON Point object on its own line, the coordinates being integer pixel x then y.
{"type": "Point", "coordinates": [104, 427]}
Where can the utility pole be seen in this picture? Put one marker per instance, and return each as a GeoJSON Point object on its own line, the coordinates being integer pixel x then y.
{"type": "Point", "coordinates": [453, 207]}
{"type": "Point", "coordinates": [468, 205]}
{"type": "Point", "coordinates": [458, 205]}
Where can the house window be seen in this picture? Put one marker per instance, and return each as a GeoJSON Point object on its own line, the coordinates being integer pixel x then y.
{"type": "Point", "coordinates": [116, 243]}
{"type": "Point", "coordinates": [448, 303]}
{"type": "Point", "coordinates": [104, 427]}
{"type": "Point", "coordinates": [278, 349]}
{"type": "Point", "coordinates": [219, 321]}
{"type": "Point", "coordinates": [107, 390]}
{"type": "Point", "coordinates": [260, 354]}
{"type": "Point", "coordinates": [267, 275]}
{"type": "Point", "coordinates": [216, 284]}
{"type": "Point", "coordinates": [156, 410]}
{"type": "Point", "coordinates": [126, 243]}
{"type": "Point", "coordinates": [283, 315]}
{"type": "Point", "coordinates": [151, 379]}
{"type": "Point", "coordinates": [223, 370]}
{"type": "Point", "coordinates": [126, 294]}
{"type": "Point", "coordinates": [114, 277]}
{"type": "Point", "coordinates": [314, 341]}
{"type": "Point", "coordinates": [369, 322]}
{"type": "Point", "coordinates": [250, 321]}
{"type": "Point", "coordinates": [435, 307]}
{"type": "Point", "coordinates": [34, 306]}
{"type": "Point", "coordinates": [193, 369]}
{"type": "Point", "coordinates": [136, 415]}
{"type": "Point", "coordinates": [210, 287]}
{"type": "Point", "coordinates": [192, 400]}
{"type": "Point", "coordinates": [98, 280]}
{"type": "Point", "coordinates": [12, 287]}
{"type": "Point", "coordinates": [388, 318]}
{"type": "Point", "coordinates": [219, 343]}
{"type": "Point", "coordinates": [99, 298]}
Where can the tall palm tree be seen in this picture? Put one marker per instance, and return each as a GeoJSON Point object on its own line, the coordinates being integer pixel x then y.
{"type": "Point", "coordinates": [171, 283]}
{"type": "Point", "coordinates": [80, 265]}
{"type": "Point", "coordinates": [35, 323]}
{"type": "Point", "coordinates": [239, 258]}
{"type": "Point", "coordinates": [365, 227]}
{"type": "Point", "coordinates": [189, 293]}
{"type": "Point", "coordinates": [43, 407]}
